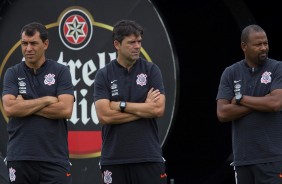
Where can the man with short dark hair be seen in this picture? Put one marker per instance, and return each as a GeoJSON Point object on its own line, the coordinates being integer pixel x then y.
{"type": "Point", "coordinates": [129, 96]}
{"type": "Point", "coordinates": [250, 95]}
{"type": "Point", "coordinates": [38, 97]}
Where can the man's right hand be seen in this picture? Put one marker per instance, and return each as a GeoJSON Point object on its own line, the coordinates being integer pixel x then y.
{"type": "Point", "coordinates": [152, 96]}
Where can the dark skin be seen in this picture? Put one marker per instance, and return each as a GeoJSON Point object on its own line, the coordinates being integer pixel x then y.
{"type": "Point", "coordinates": [255, 51]}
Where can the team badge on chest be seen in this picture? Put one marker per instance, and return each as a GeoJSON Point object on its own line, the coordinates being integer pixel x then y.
{"type": "Point", "coordinates": [265, 77]}
{"type": "Point", "coordinates": [141, 79]}
{"type": "Point", "coordinates": [49, 79]}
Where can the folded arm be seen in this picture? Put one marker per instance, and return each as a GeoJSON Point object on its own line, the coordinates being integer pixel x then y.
{"type": "Point", "coordinates": [153, 107]}
{"type": "Point", "coordinates": [19, 107]}
{"type": "Point", "coordinates": [61, 109]}
{"type": "Point", "coordinates": [109, 112]}
{"type": "Point", "coordinates": [229, 110]}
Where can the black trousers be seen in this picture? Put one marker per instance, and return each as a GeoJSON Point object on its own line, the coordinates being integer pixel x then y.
{"type": "Point", "coordinates": [4, 176]}
{"type": "Point", "coordinates": [138, 173]}
{"type": "Point", "coordinates": [264, 173]}
{"type": "Point", "coordinates": [34, 172]}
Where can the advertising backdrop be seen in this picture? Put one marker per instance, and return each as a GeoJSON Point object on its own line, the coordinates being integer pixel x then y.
{"type": "Point", "coordinates": [80, 37]}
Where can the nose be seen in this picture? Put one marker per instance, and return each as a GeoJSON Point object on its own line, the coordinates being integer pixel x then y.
{"type": "Point", "coordinates": [29, 47]}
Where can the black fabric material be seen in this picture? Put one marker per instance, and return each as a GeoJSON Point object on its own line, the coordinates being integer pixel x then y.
{"type": "Point", "coordinates": [4, 179]}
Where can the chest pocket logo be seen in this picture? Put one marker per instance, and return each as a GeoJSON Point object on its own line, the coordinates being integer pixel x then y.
{"type": "Point", "coordinates": [49, 79]}
{"type": "Point", "coordinates": [265, 77]}
{"type": "Point", "coordinates": [141, 79]}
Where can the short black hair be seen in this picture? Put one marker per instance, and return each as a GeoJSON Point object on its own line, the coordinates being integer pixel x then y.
{"type": "Point", "coordinates": [247, 30]}
{"type": "Point", "coordinates": [125, 28]}
{"type": "Point", "coordinates": [31, 28]}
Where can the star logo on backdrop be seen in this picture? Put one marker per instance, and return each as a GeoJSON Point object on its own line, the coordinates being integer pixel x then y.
{"type": "Point", "coordinates": [75, 29]}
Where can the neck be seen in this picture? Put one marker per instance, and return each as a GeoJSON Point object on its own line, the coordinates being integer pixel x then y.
{"type": "Point", "coordinates": [126, 64]}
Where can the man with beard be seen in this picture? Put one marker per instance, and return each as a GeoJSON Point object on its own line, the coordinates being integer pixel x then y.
{"type": "Point", "coordinates": [250, 95]}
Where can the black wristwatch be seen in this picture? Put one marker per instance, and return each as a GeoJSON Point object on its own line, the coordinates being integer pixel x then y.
{"type": "Point", "coordinates": [122, 106]}
{"type": "Point", "coordinates": [238, 98]}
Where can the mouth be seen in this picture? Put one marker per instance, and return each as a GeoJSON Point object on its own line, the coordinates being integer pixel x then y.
{"type": "Point", "coordinates": [135, 53]}
{"type": "Point", "coordinates": [263, 55]}
{"type": "Point", "coordinates": [29, 56]}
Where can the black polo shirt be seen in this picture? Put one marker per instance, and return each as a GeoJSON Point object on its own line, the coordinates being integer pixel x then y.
{"type": "Point", "coordinates": [135, 141]}
{"type": "Point", "coordinates": [35, 137]}
{"type": "Point", "coordinates": [256, 137]}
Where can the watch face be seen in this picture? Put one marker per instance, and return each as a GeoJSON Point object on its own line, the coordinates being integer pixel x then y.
{"type": "Point", "coordinates": [238, 96]}
{"type": "Point", "coordinates": [122, 104]}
